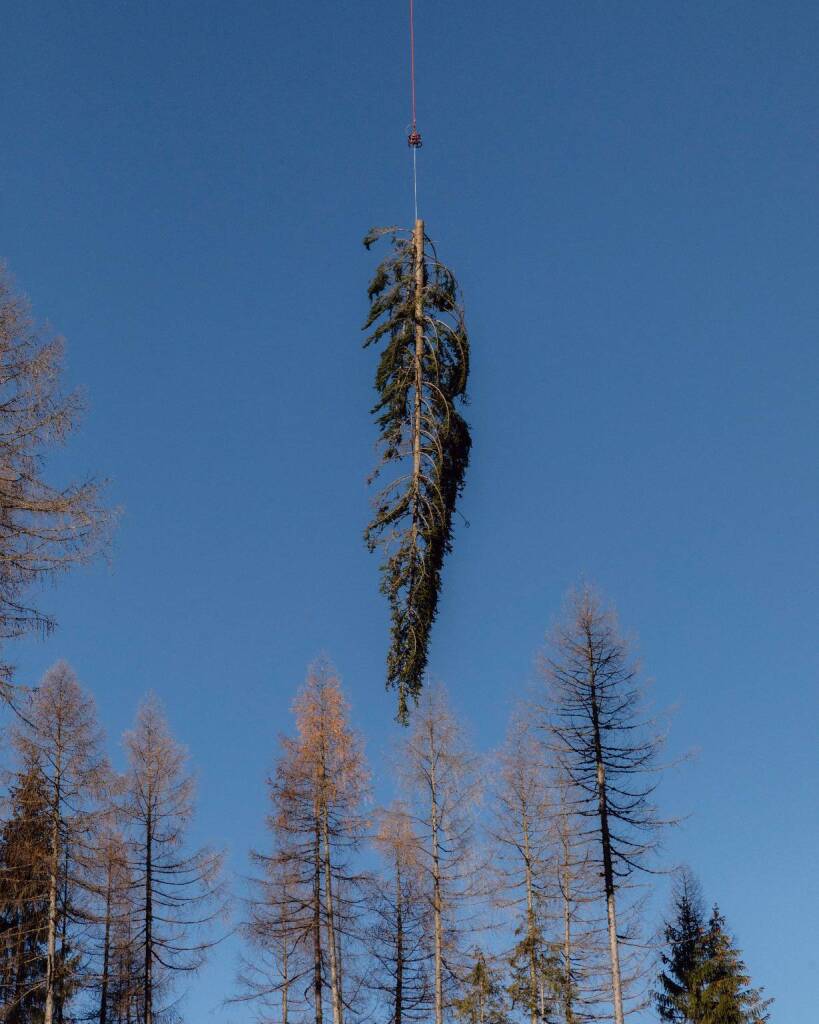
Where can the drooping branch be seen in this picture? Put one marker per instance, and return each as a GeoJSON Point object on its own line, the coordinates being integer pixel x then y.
{"type": "Point", "coordinates": [415, 314]}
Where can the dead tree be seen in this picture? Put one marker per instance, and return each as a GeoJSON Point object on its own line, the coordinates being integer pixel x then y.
{"type": "Point", "coordinates": [277, 930]}
{"type": "Point", "coordinates": [416, 316]}
{"type": "Point", "coordinates": [607, 751]}
{"type": "Point", "coordinates": [317, 791]}
{"type": "Point", "coordinates": [176, 895]}
{"type": "Point", "coordinates": [398, 936]}
{"type": "Point", "coordinates": [44, 528]}
{"type": "Point", "coordinates": [440, 775]}
{"type": "Point", "coordinates": [522, 829]}
{"type": "Point", "coordinates": [60, 735]}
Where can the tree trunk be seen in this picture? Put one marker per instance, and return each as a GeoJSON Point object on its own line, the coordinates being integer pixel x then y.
{"type": "Point", "coordinates": [106, 946]}
{"type": "Point", "coordinates": [530, 921]}
{"type": "Point", "coordinates": [53, 883]}
{"type": "Point", "coordinates": [19, 969]}
{"type": "Point", "coordinates": [148, 990]}
{"type": "Point", "coordinates": [437, 909]}
{"type": "Point", "coordinates": [335, 981]}
{"type": "Point", "coordinates": [566, 894]}
{"type": "Point", "coordinates": [318, 984]}
{"type": "Point", "coordinates": [285, 979]}
{"type": "Point", "coordinates": [605, 838]}
{"type": "Point", "coordinates": [399, 947]}
{"type": "Point", "coordinates": [60, 987]}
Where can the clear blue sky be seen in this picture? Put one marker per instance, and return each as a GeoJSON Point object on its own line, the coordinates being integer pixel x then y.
{"type": "Point", "coordinates": [628, 193]}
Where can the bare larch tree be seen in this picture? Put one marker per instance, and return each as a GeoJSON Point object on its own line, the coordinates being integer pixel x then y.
{"type": "Point", "coordinates": [398, 936]}
{"type": "Point", "coordinates": [277, 929]}
{"type": "Point", "coordinates": [177, 894]}
{"type": "Point", "coordinates": [60, 735]}
{"type": "Point", "coordinates": [317, 791]}
{"type": "Point", "coordinates": [44, 529]}
{"type": "Point", "coordinates": [522, 829]}
{"type": "Point", "coordinates": [441, 778]}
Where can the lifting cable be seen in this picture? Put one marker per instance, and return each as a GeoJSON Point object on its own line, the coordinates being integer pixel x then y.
{"type": "Point", "coordinates": [414, 136]}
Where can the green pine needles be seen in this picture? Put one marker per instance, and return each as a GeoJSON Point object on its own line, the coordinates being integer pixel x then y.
{"type": "Point", "coordinates": [417, 319]}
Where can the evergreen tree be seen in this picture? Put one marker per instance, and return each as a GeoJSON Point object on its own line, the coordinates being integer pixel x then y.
{"type": "Point", "coordinates": [24, 856]}
{"type": "Point", "coordinates": [728, 995]}
{"type": "Point", "coordinates": [421, 380]}
{"type": "Point", "coordinates": [537, 980]}
{"type": "Point", "coordinates": [483, 999]}
{"type": "Point", "coordinates": [677, 999]}
{"type": "Point", "coordinates": [704, 980]}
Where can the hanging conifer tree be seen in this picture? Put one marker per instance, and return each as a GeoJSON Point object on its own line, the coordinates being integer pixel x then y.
{"type": "Point", "coordinates": [417, 318]}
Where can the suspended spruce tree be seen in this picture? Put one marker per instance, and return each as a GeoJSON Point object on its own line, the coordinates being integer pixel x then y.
{"type": "Point", "coordinates": [417, 319]}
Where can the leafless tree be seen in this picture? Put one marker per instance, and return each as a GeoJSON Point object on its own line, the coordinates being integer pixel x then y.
{"type": "Point", "coordinates": [440, 775]}
{"type": "Point", "coordinates": [522, 828]}
{"type": "Point", "coordinates": [277, 930]}
{"type": "Point", "coordinates": [606, 750]}
{"type": "Point", "coordinates": [44, 528]}
{"type": "Point", "coordinates": [177, 895]}
{"type": "Point", "coordinates": [317, 792]}
{"type": "Point", "coordinates": [398, 936]}
{"type": "Point", "coordinates": [60, 735]}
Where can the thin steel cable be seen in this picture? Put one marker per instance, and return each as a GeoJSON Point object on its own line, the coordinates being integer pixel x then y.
{"type": "Point", "coordinates": [414, 126]}
{"type": "Point", "coordinates": [415, 181]}
{"type": "Point", "coordinates": [412, 58]}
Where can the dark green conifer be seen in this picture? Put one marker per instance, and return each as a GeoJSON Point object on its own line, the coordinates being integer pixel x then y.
{"type": "Point", "coordinates": [704, 980]}
{"type": "Point", "coordinates": [728, 995]}
{"type": "Point", "coordinates": [416, 318]}
{"type": "Point", "coordinates": [24, 845]}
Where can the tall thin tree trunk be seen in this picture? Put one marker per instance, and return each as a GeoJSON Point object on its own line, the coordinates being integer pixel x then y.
{"type": "Point", "coordinates": [332, 946]}
{"type": "Point", "coordinates": [19, 968]}
{"type": "Point", "coordinates": [60, 987]}
{"type": "Point", "coordinates": [399, 947]}
{"type": "Point", "coordinates": [53, 884]}
{"type": "Point", "coordinates": [566, 895]}
{"type": "Point", "coordinates": [285, 979]}
{"type": "Point", "coordinates": [335, 982]}
{"type": "Point", "coordinates": [318, 984]}
{"type": "Point", "coordinates": [605, 837]}
{"type": "Point", "coordinates": [437, 908]}
{"type": "Point", "coordinates": [106, 947]}
{"type": "Point", "coordinates": [530, 921]}
{"type": "Point", "coordinates": [148, 991]}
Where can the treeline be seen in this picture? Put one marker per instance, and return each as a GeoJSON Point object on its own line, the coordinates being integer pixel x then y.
{"type": "Point", "coordinates": [492, 890]}
{"type": "Point", "coordinates": [102, 903]}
